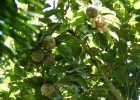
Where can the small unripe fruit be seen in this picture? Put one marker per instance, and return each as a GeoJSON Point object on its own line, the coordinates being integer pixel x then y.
{"type": "Point", "coordinates": [48, 60]}
{"type": "Point", "coordinates": [92, 11]}
{"type": "Point", "coordinates": [37, 55]}
{"type": "Point", "coordinates": [47, 90]}
{"type": "Point", "coordinates": [49, 43]}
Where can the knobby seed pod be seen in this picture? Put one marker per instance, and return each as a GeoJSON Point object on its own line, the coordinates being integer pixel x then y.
{"type": "Point", "coordinates": [47, 90]}
{"type": "Point", "coordinates": [92, 11]}
{"type": "Point", "coordinates": [48, 60]}
{"type": "Point", "coordinates": [49, 43]}
{"type": "Point", "coordinates": [37, 55]}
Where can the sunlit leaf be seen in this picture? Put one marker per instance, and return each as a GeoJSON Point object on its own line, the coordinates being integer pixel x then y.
{"type": "Point", "coordinates": [136, 5]}
{"type": "Point", "coordinates": [114, 35]}
{"type": "Point", "coordinates": [112, 18]}
{"type": "Point", "coordinates": [63, 28]}
{"type": "Point", "coordinates": [77, 21]}
{"type": "Point", "coordinates": [107, 11]}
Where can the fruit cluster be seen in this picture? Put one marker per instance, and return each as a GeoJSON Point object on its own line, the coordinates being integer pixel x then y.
{"type": "Point", "coordinates": [97, 20]}
{"type": "Point", "coordinates": [40, 54]}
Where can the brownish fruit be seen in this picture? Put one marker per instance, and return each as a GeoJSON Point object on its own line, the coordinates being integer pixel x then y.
{"type": "Point", "coordinates": [37, 55]}
{"type": "Point", "coordinates": [92, 11]}
{"type": "Point", "coordinates": [100, 23]}
{"type": "Point", "coordinates": [49, 60]}
{"type": "Point", "coordinates": [49, 43]}
{"type": "Point", "coordinates": [47, 90]}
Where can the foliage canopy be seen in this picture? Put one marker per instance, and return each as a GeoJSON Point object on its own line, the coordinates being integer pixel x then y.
{"type": "Point", "coordinates": [94, 58]}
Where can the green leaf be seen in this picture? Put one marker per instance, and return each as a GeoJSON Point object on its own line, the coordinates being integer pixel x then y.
{"type": "Point", "coordinates": [18, 70]}
{"type": "Point", "coordinates": [119, 7]}
{"type": "Point", "coordinates": [75, 67]}
{"type": "Point", "coordinates": [137, 27]}
{"type": "Point", "coordinates": [76, 49]}
{"type": "Point", "coordinates": [67, 59]}
{"type": "Point", "coordinates": [52, 28]}
{"type": "Point", "coordinates": [64, 50]}
{"type": "Point", "coordinates": [80, 74]}
{"type": "Point", "coordinates": [46, 4]}
{"type": "Point", "coordinates": [108, 11]}
{"type": "Point", "coordinates": [135, 59]}
{"type": "Point", "coordinates": [6, 50]}
{"type": "Point", "coordinates": [5, 95]}
{"type": "Point", "coordinates": [75, 6]}
{"type": "Point", "coordinates": [77, 21]}
{"type": "Point", "coordinates": [15, 77]}
{"type": "Point", "coordinates": [53, 71]}
{"type": "Point", "coordinates": [14, 88]}
{"type": "Point", "coordinates": [79, 80]}
{"type": "Point", "coordinates": [112, 52]}
{"type": "Point", "coordinates": [51, 12]}
{"type": "Point", "coordinates": [81, 13]}
{"type": "Point", "coordinates": [114, 35]}
{"type": "Point", "coordinates": [134, 51]}
{"type": "Point", "coordinates": [102, 40]}
{"type": "Point", "coordinates": [118, 75]}
{"type": "Point", "coordinates": [121, 46]}
{"type": "Point", "coordinates": [75, 98]}
{"type": "Point", "coordinates": [112, 19]}
{"type": "Point", "coordinates": [63, 37]}
{"type": "Point", "coordinates": [64, 27]}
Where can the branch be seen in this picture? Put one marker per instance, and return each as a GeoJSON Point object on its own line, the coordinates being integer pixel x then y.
{"type": "Point", "coordinates": [95, 61]}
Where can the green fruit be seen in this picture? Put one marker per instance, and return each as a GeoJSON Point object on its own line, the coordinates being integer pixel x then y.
{"type": "Point", "coordinates": [49, 43]}
{"type": "Point", "coordinates": [37, 55]}
{"type": "Point", "coordinates": [48, 60]}
{"type": "Point", "coordinates": [47, 90]}
{"type": "Point", "coordinates": [92, 11]}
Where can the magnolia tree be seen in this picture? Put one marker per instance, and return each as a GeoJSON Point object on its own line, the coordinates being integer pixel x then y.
{"type": "Point", "coordinates": [70, 50]}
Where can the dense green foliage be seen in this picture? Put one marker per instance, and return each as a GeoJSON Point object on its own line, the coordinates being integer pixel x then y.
{"type": "Point", "coordinates": [90, 63]}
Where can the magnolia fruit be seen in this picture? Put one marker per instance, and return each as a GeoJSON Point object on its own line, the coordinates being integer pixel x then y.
{"type": "Point", "coordinates": [92, 11]}
{"type": "Point", "coordinates": [47, 90]}
{"type": "Point", "coordinates": [49, 60]}
{"type": "Point", "coordinates": [49, 43]}
{"type": "Point", "coordinates": [37, 55]}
